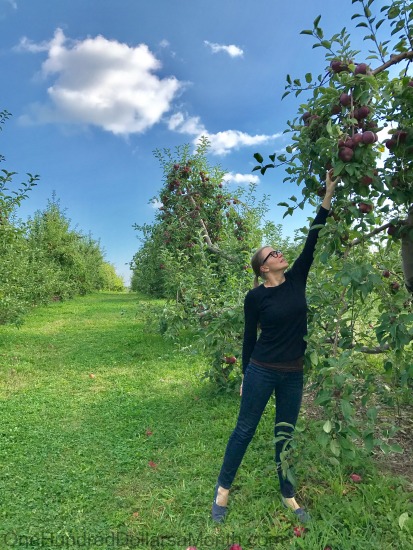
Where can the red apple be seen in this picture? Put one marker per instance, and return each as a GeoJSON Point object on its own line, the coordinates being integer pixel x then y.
{"type": "Point", "coordinates": [386, 273]}
{"type": "Point", "coordinates": [361, 68]}
{"type": "Point", "coordinates": [230, 359]}
{"type": "Point", "coordinates": [357, 138]}
{"type": "Point", "coordinates": [391, 144]}
{"type": "Point", "coordinates": [299, 531]}
{"type": "Point", "coordinates": [366, 180]}
{"type": "Point", "coordinates": [336, 109]}
{"type": "Point", "coordinates": [391, 230]}
{"type": "Point", "coordinates": [395, 285]}
{"type": "Point", "coordinates": [368, 137]}
{"type": "Point", "coordinates": [356, 478]}
{"type": "Point", "coordinates": [305, 117]}
{"type": "Point", "coordinates": [345, 154]}
{"type": "Point", "coordinates": [345, 99]}
{"type": "Point", "coordinates": [365, 207]}
{"type": "Point", "coordinates": [362, 112]}
{"type": "Point", "coordinates": [400, 136]}
{"type": "Point", "coordinates": [338, 66]}
{"type": "Point", "coordinates": [235, 547]}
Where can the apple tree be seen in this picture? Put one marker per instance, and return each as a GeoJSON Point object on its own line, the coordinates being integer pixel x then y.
{"type": "Point", "coordinates": [196, 254]}
{"type": "Point", "coordinates": [357, 119]}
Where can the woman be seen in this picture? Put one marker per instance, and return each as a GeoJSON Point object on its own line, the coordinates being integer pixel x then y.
{"type": "Point", "coordinates": [274, 361]}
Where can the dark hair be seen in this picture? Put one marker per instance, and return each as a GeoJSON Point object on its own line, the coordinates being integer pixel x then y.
{"type": "Point", "coordinates": [256, 263]}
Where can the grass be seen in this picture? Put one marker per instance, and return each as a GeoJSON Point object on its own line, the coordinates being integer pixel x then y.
{"type": "Point", "coordinates": [128, 457]}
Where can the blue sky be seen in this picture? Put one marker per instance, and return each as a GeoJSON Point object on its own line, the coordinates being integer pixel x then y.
{"type": "Point", "coordinates": [94, 86]}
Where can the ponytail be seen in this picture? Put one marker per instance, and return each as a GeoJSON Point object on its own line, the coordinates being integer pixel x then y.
{"type": "Point", "coordinates": [256, 265]}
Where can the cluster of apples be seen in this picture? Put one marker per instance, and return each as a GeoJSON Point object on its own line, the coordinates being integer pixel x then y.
{"type": "Point", "coordinates": [400, 143]}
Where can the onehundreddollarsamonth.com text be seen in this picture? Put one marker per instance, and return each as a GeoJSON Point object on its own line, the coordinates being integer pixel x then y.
{"type": "Point", "coordinates": [69, 539]}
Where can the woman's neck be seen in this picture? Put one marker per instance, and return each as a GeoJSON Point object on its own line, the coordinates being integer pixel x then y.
{"type": "Point", "coordinates": [274, 279]}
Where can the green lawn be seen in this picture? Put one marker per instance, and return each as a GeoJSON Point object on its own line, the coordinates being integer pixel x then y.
{"type": "Point", "coordinates": [110, 439]}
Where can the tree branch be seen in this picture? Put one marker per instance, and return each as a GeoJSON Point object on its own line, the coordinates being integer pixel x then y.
{"type": "Point", "coordinates": [207, 238]}
{"type": "Point", "coordinates": [392, 61]}
{"type": "Point", "coordinates": [374, 232]}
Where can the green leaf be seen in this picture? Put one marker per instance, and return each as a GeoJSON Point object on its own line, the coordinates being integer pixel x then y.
{"type": "Point", "coordinates": [328, 426]}
{"type": "Point", "coordinates": [272, 157]}
{"type": "Point", "coordinates": [317, 21]}
{"type": "Point", "coordinates": [367, 12]}
{"type": "Point", "coordinates": [395, 448]}
{"type": "Point", "coordinates": [362, 24]}
{"type": "Point", "coordinates": [346, 408]}
{"type": "Point", "coordinates": [402, 519]}
{"type": "Point", "coordinates": [308, 78]}
{"type": "Point", "coordinates": [256, 168]}
{"type": "Point", "coordinates": [258, 157]}
{"type": "Point", "coordinates": [335, 447]}
{"type": "Point", "coordinates": [307, 32]}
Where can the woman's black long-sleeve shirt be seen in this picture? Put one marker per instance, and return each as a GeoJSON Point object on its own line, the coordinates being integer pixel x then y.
{"type": "Point", "coordinates": [281, 311]}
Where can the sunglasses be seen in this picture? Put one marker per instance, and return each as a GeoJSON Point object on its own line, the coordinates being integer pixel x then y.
{"type": "Point", "coordinates": [273, 253]}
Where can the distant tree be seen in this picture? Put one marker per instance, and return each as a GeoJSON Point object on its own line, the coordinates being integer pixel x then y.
{"type": "Point", "coordinates": [110, 279]}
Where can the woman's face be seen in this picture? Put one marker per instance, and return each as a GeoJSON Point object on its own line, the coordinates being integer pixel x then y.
{"type": "Point", "coordinates": [273, 259]}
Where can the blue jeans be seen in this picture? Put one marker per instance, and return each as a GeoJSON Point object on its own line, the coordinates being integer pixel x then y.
{"type": "Point", "coordinates": [258, 386]}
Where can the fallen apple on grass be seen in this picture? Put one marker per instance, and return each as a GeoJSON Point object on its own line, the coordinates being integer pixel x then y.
{"type": "Point", "coordinates": [299, 531]}
{"type": "Point", "coordinates": [356, 478]}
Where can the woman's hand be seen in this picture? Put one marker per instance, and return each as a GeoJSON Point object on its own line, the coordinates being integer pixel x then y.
{"type": "Point", "coordinates": [330, 188]}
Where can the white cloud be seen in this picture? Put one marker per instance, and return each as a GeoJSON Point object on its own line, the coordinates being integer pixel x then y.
{"type": "Point", "coordinates": [104, 83]}
{"type": "Point", "coordinates": [240, 178]}
{"type": "Point", "coordinates": [156, 204]}
{"type": "Point", "coordinates": [222, 143]}
{"type": "Point", "coordinates": [164, 43]}
{"type": "Point", "coordinates": [231, 50]}
{"type": "Point", "coordinates": [26, 45]}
